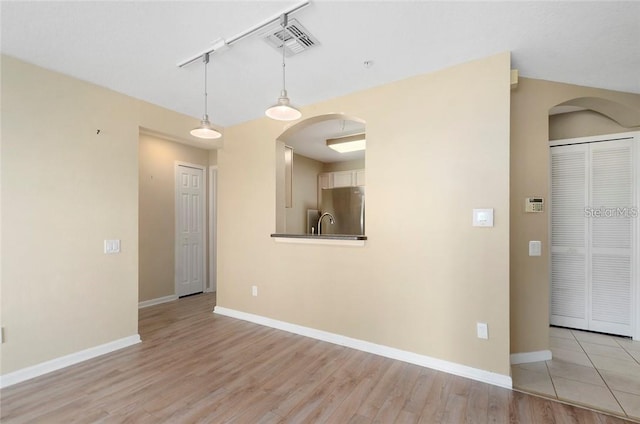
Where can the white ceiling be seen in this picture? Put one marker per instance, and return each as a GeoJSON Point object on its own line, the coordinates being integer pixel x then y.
{"type": "Point", "coordinates": [311, 141]}
{"type": "Point", "coordinates": [133, 47]}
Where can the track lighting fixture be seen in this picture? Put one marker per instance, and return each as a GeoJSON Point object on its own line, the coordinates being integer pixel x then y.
{"type": "Point", "coordinates": [282, 110]}
{"type": "Point", "coordinates": [205, 130]}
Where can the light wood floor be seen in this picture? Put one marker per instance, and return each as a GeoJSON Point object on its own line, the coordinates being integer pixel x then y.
{"type": "Point", "coordinates": [195, 366]}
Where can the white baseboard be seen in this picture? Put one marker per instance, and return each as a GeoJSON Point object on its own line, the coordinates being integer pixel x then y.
{"type": "Point", "coordinates": [65, 361]}
{"type": "Point", "coordinates": [386, 351]}
{"type": "Point", "coordinates": [526, 357]}
{"type": "Point", "coordinates": [157, 301]}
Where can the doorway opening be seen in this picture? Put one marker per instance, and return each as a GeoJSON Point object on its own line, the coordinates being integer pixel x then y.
{"type": "Point", "coordinates": [190, 247]}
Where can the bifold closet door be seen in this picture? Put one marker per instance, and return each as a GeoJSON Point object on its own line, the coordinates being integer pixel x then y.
{"type": "Point", "coordinates": [611, 236]}
{"type": "Point", "coordinates": [592, 236]}
{"type": "Point", "coordinates": [569, 195]}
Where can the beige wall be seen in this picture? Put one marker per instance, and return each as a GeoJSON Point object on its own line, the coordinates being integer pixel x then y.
{"type": "Point", "coordinates": [434, 275]}
{"type": "Point", "coordinates": [156, 217]}
{"type": "Point", "coordinates": [305, 193]}
{"type": "Point", "coordinates": [583, 123]}
{"type": "Point", "coordinates": [425, 276]}
{"type": "Point", "coordinates": [530, 104]}
{"type": "Point", "coordinates": [65, 189]}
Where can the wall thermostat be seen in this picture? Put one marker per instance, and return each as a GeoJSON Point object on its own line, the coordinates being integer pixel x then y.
{"type": "Point", "coordinates": [534, 204]}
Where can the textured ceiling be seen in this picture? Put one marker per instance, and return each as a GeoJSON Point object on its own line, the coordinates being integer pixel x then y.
{"type": "Point", "coordinates": [133, 47]}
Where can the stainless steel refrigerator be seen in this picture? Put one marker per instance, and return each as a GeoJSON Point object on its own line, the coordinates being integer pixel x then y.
{"type": "Point", "coordinates": [346, 205]}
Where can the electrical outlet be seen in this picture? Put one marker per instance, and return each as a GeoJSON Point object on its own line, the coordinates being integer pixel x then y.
{"type": "Point", "coordinates": [483, 330]}
{"type": "Point", "coordinates": [254, 290]}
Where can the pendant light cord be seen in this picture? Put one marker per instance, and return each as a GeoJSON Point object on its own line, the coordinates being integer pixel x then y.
{"type": "Point", "coordinates": [284, 26]}
{"type": "Point", "coordinates": [282, 110]}
{"type": "Point", "coordinates": [205, 130]}
{"type": "Point", "coordinates": [205, 59]}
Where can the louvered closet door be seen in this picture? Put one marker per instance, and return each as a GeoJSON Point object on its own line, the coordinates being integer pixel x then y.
{"type": "Point", "coordinates": [569, 192]}
{"type": "Point", "coordinates": [592, 242]}
{"type": "Point", "coordinates": [611, 241]}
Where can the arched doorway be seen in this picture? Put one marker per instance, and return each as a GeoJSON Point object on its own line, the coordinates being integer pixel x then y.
{"type": "Point", "coordinates": [307, 167]}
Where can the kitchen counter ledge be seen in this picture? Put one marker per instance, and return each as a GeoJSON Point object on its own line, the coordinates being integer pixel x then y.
{"type": "Point", "coordinates": [326, 239]}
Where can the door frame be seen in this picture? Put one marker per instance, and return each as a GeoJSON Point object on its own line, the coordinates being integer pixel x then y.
{"type": "Point", "coordinates": [635, 277]}
{"type": "Point", "coordinates": [636, 330]}
{"type": "Point", "coordinates": [213, 233]}
{"type": "Point", "coordinates": [176, 166]}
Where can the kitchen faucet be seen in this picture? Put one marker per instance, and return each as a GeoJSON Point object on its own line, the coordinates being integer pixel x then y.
{"type": "Point", "coordinates": [331, 221]}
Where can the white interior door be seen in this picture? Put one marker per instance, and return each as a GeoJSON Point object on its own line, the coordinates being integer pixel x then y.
{"type": "Point", "coordinates": [190, 233]}
{"type": "Point", "coordinates": [593, 236]}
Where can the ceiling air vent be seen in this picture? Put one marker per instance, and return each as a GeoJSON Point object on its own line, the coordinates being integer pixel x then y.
{"type": "Point", "coordinates": [296, 38]}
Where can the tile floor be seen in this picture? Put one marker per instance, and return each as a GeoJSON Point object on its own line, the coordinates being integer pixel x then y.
{"type": "Point", "coordinates": [595, 370]}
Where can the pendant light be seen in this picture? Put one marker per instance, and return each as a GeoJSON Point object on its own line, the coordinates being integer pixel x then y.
{"type": "Point", "coordinates": [205, 130]}
{"type": "Point", "coordinates": [282, 110]}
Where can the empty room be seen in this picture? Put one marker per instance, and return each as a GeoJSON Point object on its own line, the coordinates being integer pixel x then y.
{"type": "Point", "coordinates": [320, 211]}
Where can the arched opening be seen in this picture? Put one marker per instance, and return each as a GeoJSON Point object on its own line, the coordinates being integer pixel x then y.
{"type": "Point", "coordinates": [593, 203]}
{"type": "Point", "coordinates": [313, 178]}
{"type": "Point", "coordinates": [625, 116]}
{"type": "Point", "coordinates": [589, 116]}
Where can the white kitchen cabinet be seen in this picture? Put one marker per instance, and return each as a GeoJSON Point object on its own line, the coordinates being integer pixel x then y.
{"type": "Point", "coordinates": [336, 179]}
{"type": "Point", "coordinates": [325, 180]}
{"type": "Point", "coordinates": [343, 179]}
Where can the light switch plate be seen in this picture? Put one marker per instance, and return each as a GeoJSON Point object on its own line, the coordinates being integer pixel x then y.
{"type": "Point", "coordinates": [111, 246]}
{"type": "Point", "coordinates": [483, 217]}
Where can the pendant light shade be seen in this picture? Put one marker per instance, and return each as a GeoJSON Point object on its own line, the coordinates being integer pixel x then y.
{"type": "Point", "coordinates": [205, 130]}
{"type": "Point", "coordinates": [282, 110]}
